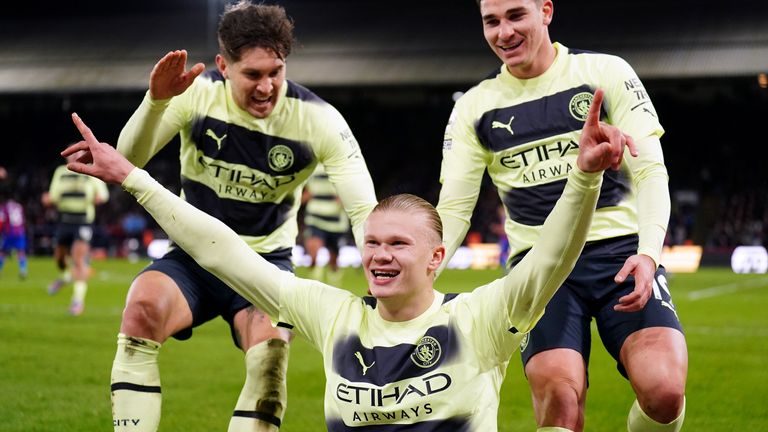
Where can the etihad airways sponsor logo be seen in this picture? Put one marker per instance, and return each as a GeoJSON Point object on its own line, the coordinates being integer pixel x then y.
{"type": "Point", "coordinates": [375, 396]}
{"type": "Point", "coordinates": [541, 153]}
{"type": "Point", "coordinates": [243, 176]}
{"type": "Point", "coordinates": [389, 416]}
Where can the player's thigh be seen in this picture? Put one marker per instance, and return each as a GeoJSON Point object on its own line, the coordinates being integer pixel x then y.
{"type": "Point", "coordinates": [656, 359]}
{"type": "Point", "coordinates": [155, 307]}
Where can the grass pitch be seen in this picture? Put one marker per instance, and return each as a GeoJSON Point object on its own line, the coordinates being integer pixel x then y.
{"type": "Point", "coordinates": [54, 368]}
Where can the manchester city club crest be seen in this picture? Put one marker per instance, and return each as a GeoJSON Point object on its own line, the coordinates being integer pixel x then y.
{"type": "Point", "coordinates": [579, 105]}
{"type": "Point", "coordinates": [524, 342]}
{"type": "Point", "coordinates": [427, 352]}
{"type": "Point", "coordinates": [280, 158]}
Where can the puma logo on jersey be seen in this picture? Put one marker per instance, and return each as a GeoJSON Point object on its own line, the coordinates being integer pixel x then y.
{"type": "Point", "coordinates": [362, 363]}
{"type": "Point", "coordinates": [218, 140]}
{"type": "Point", "coordinates": [500, 125]}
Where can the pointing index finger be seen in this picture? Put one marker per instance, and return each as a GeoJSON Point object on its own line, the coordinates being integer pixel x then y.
{"type": "Point", "coordinates": [85, 131]}
{"type": "Point", "coordinates": [594, 108]}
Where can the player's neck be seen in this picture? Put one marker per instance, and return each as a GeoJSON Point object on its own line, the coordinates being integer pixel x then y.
{"type": "Point", "coordinates": [400, 308]}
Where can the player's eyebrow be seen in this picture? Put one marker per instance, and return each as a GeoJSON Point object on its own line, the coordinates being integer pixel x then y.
{"type": "Point", "coordinates": [508, 12]}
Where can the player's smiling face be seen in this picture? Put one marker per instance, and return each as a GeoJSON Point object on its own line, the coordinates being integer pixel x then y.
{"type": "Point", "coordinates": [400, 256]}
{"type": "Point", "coordinates": [517, 32]}
{"type": "Point", "coordinates": [256, 80]}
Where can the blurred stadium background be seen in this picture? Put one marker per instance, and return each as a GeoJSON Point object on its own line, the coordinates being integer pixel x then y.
{"type": "Point", "coordinates": [392, 69]}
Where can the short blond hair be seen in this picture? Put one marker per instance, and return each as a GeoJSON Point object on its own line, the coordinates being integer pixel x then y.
{"type": "Point", "coordinates": [409, 203]}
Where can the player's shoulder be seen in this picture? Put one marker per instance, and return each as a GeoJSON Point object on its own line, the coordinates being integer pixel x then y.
{"type": "Point", "coordinates": [299, 92]}
{"type": "Point", "coordinates": [583, 58]}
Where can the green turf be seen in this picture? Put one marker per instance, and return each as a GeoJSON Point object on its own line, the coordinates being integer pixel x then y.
{"type": "Point", "coordinates": [54, 369]}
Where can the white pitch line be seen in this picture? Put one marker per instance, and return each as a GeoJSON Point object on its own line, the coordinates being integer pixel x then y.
{"type": "Point", "coordinates": [727, 289]}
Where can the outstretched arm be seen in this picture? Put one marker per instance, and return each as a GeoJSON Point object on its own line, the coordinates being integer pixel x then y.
{"type": "Point", "coordinates": [209, 241]}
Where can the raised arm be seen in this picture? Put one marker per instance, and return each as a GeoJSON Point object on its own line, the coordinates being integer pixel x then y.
{"type": "Point", "coordinates": [151, 127]}
{"type": "Point", "coordinates": [209, 241]}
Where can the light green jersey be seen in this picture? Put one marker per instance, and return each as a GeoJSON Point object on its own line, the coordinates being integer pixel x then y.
{"type": "Point", "coordinates": [76, 195]}
{"type": "Point", "coordinates": [323, 210]}
{"type": "Point", "coordinates": [441, 370]}
{"type": "Point", "coordinates": [249, 172]}
{"type": "Point", "coordinates": [525, 133]}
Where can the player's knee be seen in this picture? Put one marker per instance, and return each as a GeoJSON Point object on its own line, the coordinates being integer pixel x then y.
{"type": "Point", "coordinates": [664, 403]}
{"type": "Point", "coordinates": [254, 327]}
{"type": "Point", "coordinates": [558, 400]}
{"type": "Point", "coordinates": [144, 318]}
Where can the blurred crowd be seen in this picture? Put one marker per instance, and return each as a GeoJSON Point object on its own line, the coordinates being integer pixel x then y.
{"type": "Point", "coordinates": [717, 222]}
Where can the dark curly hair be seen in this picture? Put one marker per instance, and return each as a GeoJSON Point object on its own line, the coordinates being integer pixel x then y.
{"type": "Point", "coordinates": [245, 25]}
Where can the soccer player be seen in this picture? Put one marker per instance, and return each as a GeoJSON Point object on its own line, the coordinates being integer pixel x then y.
{"type": "Point", "coordinates": [75, 197]}
{"type": "Point", "coordinates": [409, 357]}
{"type": "Point", "coordinates": [13, 235]}
{"type": "Point", "coordinates": [325, 225]}
{"type": "Point", "coordinates": [250, 139]}
{"type": "Point", "coordinates": [523, 125]}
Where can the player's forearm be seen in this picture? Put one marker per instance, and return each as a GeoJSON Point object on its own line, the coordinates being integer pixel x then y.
{"type": "Point", "coordinates": [653, 203]}
{"type": "Point", "coordinates": [533, 282]}
{"type": "Point", "coordinates": [210, 242]}
{"type": "Point", "coordinates": [355, 190]}
{"type": "Point", "coordinates": [455, 206]}
{"type": "Point", "coordinates": [145, 133]}
{"type": "Point", "coordinates": [653, 210]}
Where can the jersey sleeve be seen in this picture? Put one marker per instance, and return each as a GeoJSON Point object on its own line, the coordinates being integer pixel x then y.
{"type": "Point", "coordinates": [514, 304]}
{"type": "Point", "coordinates": [461, 173]}
{"type": "Point", "coordinates": [340, 154]}
{"type": "Point", "coordinates": [211, 243]}
{"type": "Point", "coordinates": [630, 108]}
{"type": "Point", "coordinates": [152, 126]}
{"type": "Point", "coordinates": [653, 202]}
{"type": "Point", "coordinates": [311, 307]}
{"type": "Point", "coordinates": [54, 190]}
{"type": "Point", "coordinates": [628, 104]}
{"type": "Point", "coordinates": [102, 192]}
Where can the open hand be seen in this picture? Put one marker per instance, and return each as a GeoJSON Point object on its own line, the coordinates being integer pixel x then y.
{"type": "Point", "coordinates": [601, 145]}
{"type": "Point", "coordinates": [643, 268]}
{"type": "Point", "coordinates": [96, 159]}
{"type": "Point", "coordinates": [170, 78]}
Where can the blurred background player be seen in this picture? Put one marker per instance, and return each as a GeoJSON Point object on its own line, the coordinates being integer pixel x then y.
{"type": "Point", "coordinates": [523, 124]}
{"type": "Point", "coordinates": [326, 225]}
{"type": "Point", "coordinates": [13, 235]}
{"type": "Point", "coordinates": [250, 139]}
{"type": "Point", "coordinates": [75, 197]}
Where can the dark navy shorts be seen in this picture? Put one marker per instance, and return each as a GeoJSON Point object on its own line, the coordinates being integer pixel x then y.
{"type": "Point", "coordinates": [331, 240]}
{"type": "Point", "coordinates": [66, 234]}
{"type": "Point", "coordinates": [590, 292]}
{"type": "Point", "coordinates": [208, 297]}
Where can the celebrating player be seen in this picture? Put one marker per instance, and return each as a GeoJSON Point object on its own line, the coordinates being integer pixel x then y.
{"type": "Point", "coordinates": [249, 141]}
{"type": "Point", "coordinates": [409, 355]}
{"type": "Point", "coordinates": [523, 125]}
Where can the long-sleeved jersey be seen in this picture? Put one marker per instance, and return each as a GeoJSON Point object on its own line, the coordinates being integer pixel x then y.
{"type": "Point", "coordinates": [440, 371]}
{"type": "Point", "coordinates": [525, 132]}
{"type": "Point", "coordinates": [249, 172]}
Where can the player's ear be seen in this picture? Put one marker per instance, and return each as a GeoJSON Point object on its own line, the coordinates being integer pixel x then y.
{"type": "Point", "coordinates": [438, 255]}
{"type": "Point", "coordinates": [221, 64]}
{"type": "Point", "coordinates": [547, 11]}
